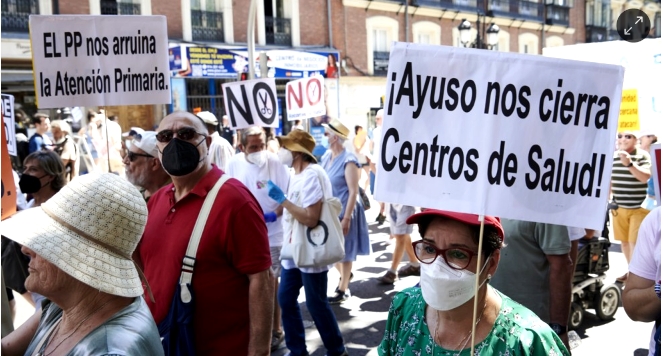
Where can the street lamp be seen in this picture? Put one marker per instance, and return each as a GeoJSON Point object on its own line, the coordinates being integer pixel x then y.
{"type": "Point", "coordinates": [491, 34]}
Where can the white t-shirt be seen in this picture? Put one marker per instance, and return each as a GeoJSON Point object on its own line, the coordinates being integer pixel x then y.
{"type": "Point", "coordinates": [646, 259]}
{"type": "Point", "coordinates": [304, 191]}
{"type": "Point", "coordinates": [255, 179]}
{"type": "Point", "coordinates": [220, 151]}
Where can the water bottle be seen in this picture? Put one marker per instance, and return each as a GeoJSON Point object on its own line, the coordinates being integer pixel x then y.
{"type": "Point", "coordinates": [574, 339]}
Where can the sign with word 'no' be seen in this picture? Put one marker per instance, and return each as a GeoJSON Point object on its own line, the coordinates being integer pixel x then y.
{"type": "Point", "coordinates": [9, 123]}
{"type": "Point", "coordinates": [305, 98]}
{"type": "Point", "coordinates": [525, 137]}
{"type": "Point", "coordinates": [100, 60]}
{"type": "Point", "coordinates": [629, 120]}
{"type": "Point", "coordinates": [251, 103]}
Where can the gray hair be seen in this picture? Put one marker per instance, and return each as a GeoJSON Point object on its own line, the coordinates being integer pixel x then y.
{"type": "Point", "coordinates": [341, 140]}
{"type": "Point", "coordinates": [62, 125]}
{"type": "Point", "coordinates": [252, 131]}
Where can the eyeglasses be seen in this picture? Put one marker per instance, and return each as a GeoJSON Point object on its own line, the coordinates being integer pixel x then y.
{"type": "Point", "coordinates": [133, 155]}
{"type": "Point", "coordinates": [628, 137]}
{"type": "Point", "coordinates": [457, 258]}
{"type": "Point", "coordinates": [185, 133]}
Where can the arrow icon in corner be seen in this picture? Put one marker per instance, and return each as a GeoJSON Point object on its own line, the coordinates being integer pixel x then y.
{"type": "Point", "coordinates": [639, 19]}
{"type": "Point", "coordinates": [628, 32]}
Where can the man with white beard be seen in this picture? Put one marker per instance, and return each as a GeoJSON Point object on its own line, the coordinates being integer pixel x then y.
{"type": "Point", "coordinates": [254, 167]}
{"type": "Point", "coordinates": [142, 166]}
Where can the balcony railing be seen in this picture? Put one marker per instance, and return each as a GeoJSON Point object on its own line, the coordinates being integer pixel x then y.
{"type": "Point", "coordinates": [600, 34]}
{"type": "Point", "coordinates": [557, 15]}
{"type": "Point", "coordinates": [15, 14]}
{"type": "Point", "coordinates": [277, 31]}
{"type": "Point", "coordinates": [380, 62]}
{"type": "Point", "coordinates": [119, 8]}
{"type": "Point", "coordinates": [515, 9]}
{"type": "Point", "coordinates": [207, 25]}
{"type": "Point", "coordinates": [466, 5]}
{"type": "Point", "coordinates": [561, 3]}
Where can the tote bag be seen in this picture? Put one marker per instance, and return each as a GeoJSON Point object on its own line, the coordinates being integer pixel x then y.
{"type": "Point", "coordinates": [321, 245]}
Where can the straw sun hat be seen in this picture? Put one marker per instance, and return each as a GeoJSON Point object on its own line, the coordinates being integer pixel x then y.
{"type": "Point", "coordinates": [337, 127]}
{"type": "Point", "coordinates": [89, 230]}
{"type": "Point", "coordinates": [298, 141]}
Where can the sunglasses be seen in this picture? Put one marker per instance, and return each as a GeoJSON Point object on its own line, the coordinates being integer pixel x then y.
{"type": "Point", "coordinates": [628, 137]}
{"type": "Point", "coordinates": [185, 134]}
{"type": "Point", "coordinates": [133, 155]}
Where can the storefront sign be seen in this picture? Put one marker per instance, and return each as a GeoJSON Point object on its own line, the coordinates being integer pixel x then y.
{"type": "Point", "coordinates": [526, 137]}
{"type": "Point", "coordinates": [212, 62]}
{"type": "Point", "coordinates": [100, 60]}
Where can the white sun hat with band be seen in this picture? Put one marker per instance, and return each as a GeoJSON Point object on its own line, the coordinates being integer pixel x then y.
{"type": "Point", "coordinates": [89, 230]}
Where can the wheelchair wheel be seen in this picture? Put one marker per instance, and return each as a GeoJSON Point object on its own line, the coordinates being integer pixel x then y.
{"type": "Point", "coordinates": [576, 317]}
{"type": "Point", "coordinates": [607, 301]}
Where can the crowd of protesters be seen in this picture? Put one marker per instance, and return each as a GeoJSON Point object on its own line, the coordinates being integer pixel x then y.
{"type": "Point", "coordinates": [141, 230]}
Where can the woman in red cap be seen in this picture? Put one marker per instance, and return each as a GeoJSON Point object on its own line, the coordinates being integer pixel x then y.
{"type": "Point", "coordinates": [437, 318]}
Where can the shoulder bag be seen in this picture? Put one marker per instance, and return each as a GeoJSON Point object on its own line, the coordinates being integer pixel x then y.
{"type": "Point", "coordinates": [323, 244]}
{"type": "Point", "coordinates": [176, 330]}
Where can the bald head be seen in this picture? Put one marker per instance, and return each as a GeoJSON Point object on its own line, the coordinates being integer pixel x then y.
{"type": "Point", "coordinates": [180, 119]}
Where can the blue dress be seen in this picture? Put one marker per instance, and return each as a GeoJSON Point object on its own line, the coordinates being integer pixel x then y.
{"type": "Point", "coordinates": [356, 241]}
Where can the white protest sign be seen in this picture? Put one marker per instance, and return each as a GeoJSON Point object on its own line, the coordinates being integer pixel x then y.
{"type": "Point", "coordinates": [251, 102]}
{"type": "Point", "coordinates": [516, 136]}
{"type": "Point", "coordinates": [8, 121]}
{"type": "Point", "coordinates": [100, 60]}
{"type": "Point", "coordinates": [305, 98]}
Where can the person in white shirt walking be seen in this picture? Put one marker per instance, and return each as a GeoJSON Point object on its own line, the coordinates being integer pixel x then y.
{"type": "Point", "coordinates": [220, 151]}
{"type": "Point", "coordinates": [255, 167]}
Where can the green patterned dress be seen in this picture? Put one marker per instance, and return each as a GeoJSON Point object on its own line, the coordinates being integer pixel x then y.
{"type": "Point", "coordinates": [517, 331]}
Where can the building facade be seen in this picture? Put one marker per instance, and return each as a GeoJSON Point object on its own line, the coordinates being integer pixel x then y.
{"type": "Point", "coordinates": [356, 36]}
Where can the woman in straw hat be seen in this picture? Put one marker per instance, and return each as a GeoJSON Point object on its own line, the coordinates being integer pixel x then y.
{"type": "Point", "coordinates": [80, 244]}
{"type": "Point", "coordinates": [304, 204]}
{"type": "Point", "coordinates": [341, 167]}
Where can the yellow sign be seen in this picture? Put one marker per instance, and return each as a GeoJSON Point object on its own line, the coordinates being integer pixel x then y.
{"type": "Point", "coordinates": [629, 120]}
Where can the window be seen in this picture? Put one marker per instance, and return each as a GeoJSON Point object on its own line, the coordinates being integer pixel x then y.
{"type": "Point", "coordinates": [206, 20]}
{"type": "Point", "coordinates": [426, 32]}
{"type": "Point", "coordinates": [380, 40]}
{"type": "Point", "coordinates": [15, 14]}
{"type": "Point", "coordinates": [503, 40]}
{"type": "Point", "coordinates": [277, 26]}
{"type": "Point", "coordinates": [554, 41]}
{"type": "Point", "coordinates": [381, 31]}
{"type": "Point", "coordinates": [119, 7]}
{"type": "Point", "coordinates": [528, 43]}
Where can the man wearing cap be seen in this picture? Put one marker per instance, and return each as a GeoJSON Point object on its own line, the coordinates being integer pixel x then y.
{"type": "Point", "coordinates": [142, 165]}
{"type": "Point", "coordinates": [631, 168]}
{"type": "Point", "coordinates": [220, 151]}
{"type": "Point", "coordinates": [232, 282]}
{"type": "Point", "coordinates": [537, 256]}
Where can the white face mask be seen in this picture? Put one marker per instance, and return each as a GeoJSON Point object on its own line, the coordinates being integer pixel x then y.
{"type": "Point", "coordinates": [258, 158]}
{"type": "Point", "coordinates": [285, 157]}
{"type": "Point", "coordinates": [445, 288]}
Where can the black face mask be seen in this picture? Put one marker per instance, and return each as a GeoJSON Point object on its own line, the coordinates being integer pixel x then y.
{"type": "Point", "coordinates": [180, 158]}
{"type": "Point", "coordinates": [30, 184]}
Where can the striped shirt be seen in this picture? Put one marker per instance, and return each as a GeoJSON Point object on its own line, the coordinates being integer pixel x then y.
{"type": "Point", "coordinates": [629, 192]}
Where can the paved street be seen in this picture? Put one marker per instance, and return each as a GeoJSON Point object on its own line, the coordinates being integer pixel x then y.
{"type": "Point", "coordinates": [362, 317]}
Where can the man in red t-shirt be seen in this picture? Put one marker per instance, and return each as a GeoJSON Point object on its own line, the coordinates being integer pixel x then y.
{"type": "Point", "coordinates": [232, 285]}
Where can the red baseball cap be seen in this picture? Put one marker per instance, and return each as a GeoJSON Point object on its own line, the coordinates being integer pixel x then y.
{"type": "Point", "coordinates": [470, 219]}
